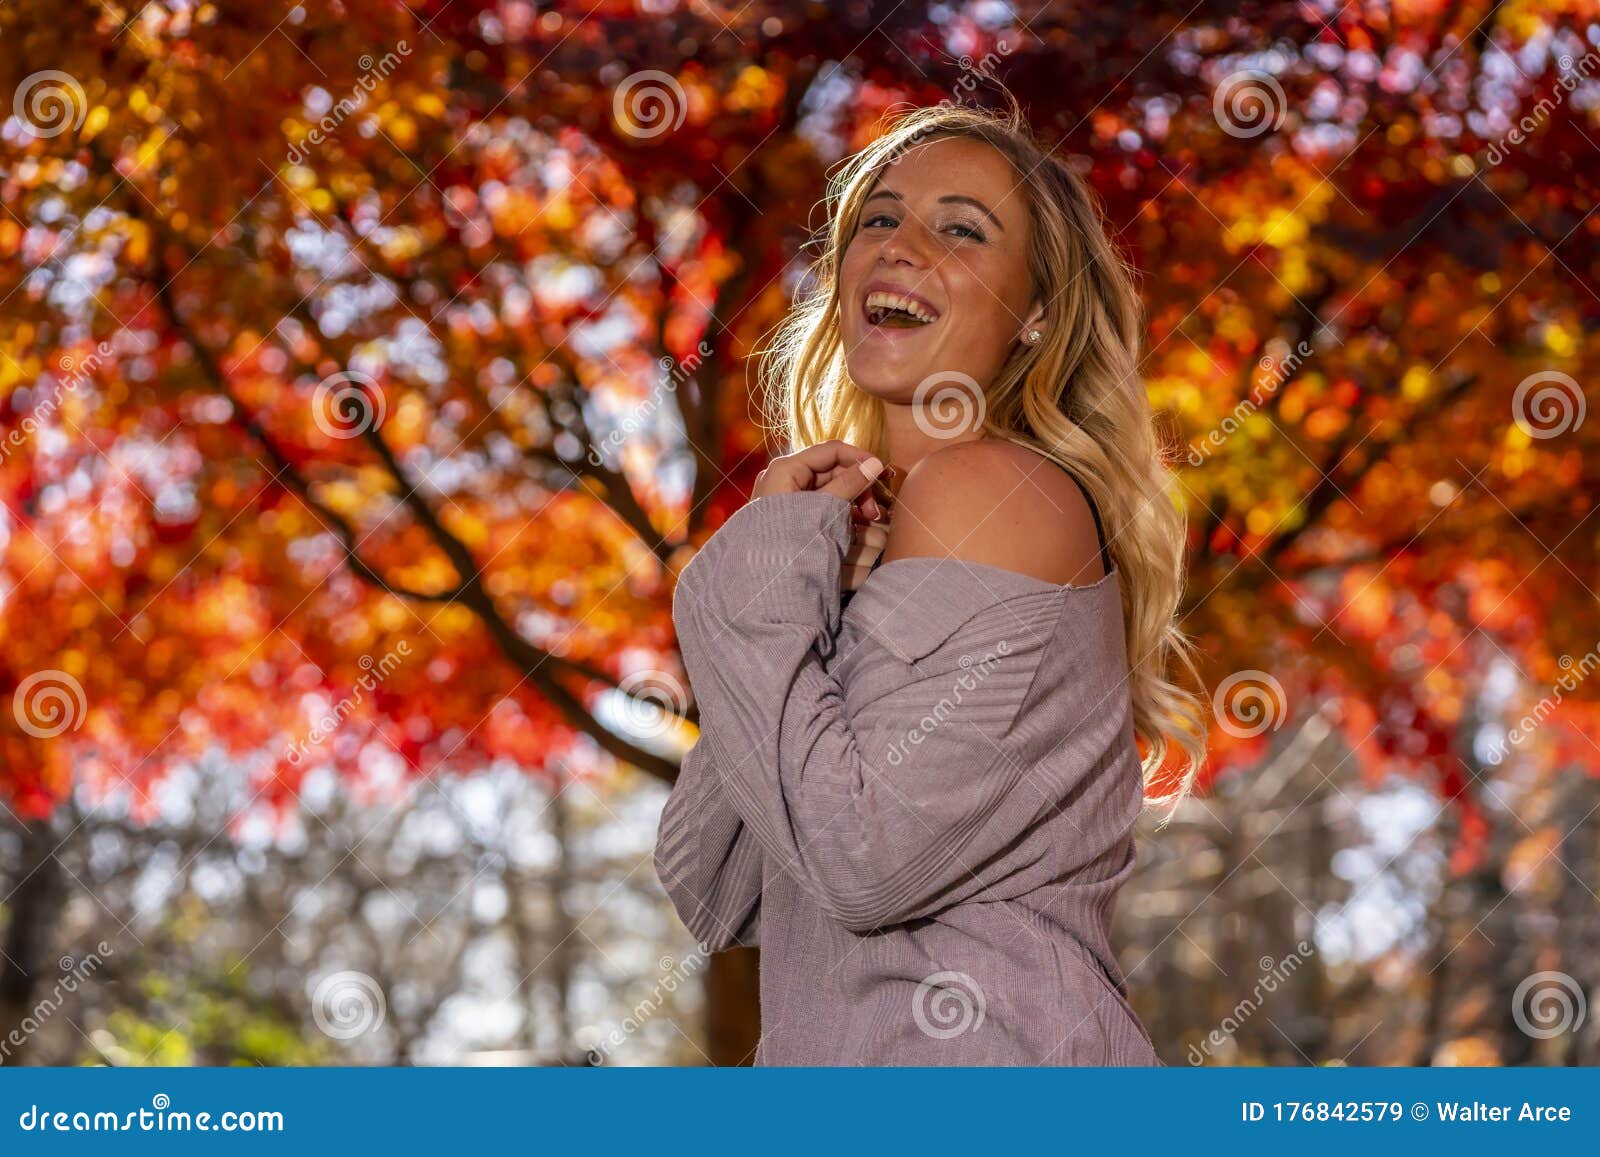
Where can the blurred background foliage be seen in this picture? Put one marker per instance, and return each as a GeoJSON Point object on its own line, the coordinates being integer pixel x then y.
{"type": "Point", "coordinates": [368, 370]}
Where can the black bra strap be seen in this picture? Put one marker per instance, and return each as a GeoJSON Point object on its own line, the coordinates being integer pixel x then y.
{"type": "Point", "coordinates": [1099, 527]}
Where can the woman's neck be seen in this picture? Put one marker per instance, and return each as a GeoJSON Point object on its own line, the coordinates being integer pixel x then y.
{"type": "Point", "coordinates": [917, 431]}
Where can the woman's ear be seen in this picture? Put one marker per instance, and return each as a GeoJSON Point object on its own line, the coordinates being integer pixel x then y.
{"type": "Point", "coordinates": [1034, 321]}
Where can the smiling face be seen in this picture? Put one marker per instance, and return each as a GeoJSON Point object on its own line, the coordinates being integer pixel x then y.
{"type": "Point", "coordinates": [943, 233]}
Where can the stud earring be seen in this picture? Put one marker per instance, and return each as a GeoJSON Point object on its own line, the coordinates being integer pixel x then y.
{"type": "Point", "coordinates": [1033, 336]}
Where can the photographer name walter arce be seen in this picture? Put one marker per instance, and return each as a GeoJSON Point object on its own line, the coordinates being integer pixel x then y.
{"type": "Point", "coordinates": [1479, 1111]}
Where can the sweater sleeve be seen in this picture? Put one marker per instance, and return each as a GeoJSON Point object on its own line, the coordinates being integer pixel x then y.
{"type": "Point", "coordinates": [707, 860]}
{"type": "Point", "coordinates": [929, 806]}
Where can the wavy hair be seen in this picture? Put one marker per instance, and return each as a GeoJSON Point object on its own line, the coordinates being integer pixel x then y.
{"type": "Point", "coordinates": [1076, 398]}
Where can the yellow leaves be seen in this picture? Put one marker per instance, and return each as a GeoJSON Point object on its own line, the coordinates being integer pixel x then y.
{"type": "Point", "coordinates": [136, 243]}
{"type": "Point", "coordinates": [755, 89]}
{"type": "Point", "coordinates": [1296, 272]}
{"type": "Point", "coordinates": [99, 116]}
{"type": "Point", "coordinates": [1533, 868]}
{"type": "Point", "coordinates": [1559, 341]}
{"type": "Point", "coordinates": [560, 214]}
{"type": "Point", "coordinates": [1260, 521]}
{"type": "Point", "coordinates": [1285, 227]}
{"type": "Point", "coordinates": [149, 150]}
{"type": "Point", "coordinates": [469, 528]}
{"type": "Point", "coordinates": [1414, 386]}
{"type": "Point", "coordinates": [402, 130]}
{"type": "Point", "coordinates": [402, 244]}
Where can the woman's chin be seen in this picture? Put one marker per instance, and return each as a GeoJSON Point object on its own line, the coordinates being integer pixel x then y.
{"type": "Point", "coordinates": [891, 378]}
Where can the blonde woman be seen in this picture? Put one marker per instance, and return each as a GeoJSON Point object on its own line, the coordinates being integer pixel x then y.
{"type": "Point", "coordinates": [916, 782]}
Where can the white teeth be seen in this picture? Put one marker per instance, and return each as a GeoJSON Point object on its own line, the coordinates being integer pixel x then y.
{"type": "Point", "coordinates": [879, 300]}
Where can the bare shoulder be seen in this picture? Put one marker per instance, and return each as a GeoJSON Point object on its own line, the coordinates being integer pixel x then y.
{"type": "Point", "coordinates": [995, 502]}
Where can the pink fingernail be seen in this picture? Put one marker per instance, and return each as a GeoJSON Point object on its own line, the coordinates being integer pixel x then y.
{"type": "Point", "coordinates": [871, 468]}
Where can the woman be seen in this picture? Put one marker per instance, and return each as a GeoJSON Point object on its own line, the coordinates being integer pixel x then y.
{"type": "Point", "coordinates": [916, 790]}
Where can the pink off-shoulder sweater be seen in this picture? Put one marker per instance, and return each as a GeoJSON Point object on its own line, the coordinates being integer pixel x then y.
{"type": "Point", "coordinates": [920, 805]}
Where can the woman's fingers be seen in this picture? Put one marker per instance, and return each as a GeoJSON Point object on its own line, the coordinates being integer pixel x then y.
{"type": "Point", "coordinates": [809, 469]}
{"type": "Point", "coordinates": [851, 484]}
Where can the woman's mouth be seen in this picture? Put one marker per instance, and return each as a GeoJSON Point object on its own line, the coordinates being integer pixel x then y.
{"type": "Point", "coordinates": [886, 311]}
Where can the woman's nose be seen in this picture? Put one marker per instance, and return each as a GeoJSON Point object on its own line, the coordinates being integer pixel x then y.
{"type": "Point", "coordinates": [907, 243]}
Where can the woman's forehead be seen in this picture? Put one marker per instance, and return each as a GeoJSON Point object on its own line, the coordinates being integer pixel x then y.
{"type": "Point", "coordinates": [954, 166]}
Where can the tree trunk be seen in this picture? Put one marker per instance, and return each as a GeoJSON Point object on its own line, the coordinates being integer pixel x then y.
{"type": "Point", "coordinates": [32, 909]}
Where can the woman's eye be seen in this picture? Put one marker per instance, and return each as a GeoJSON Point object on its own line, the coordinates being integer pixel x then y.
{"type": "Point", "coordinates": [971, 232]}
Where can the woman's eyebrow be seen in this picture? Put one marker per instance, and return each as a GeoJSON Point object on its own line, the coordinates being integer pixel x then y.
{"type": "Point", "coordinates": [948, 198]}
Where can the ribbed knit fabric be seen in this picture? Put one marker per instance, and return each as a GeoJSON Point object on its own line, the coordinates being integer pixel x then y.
{"type": "Point", "coordinates": [921, 806]}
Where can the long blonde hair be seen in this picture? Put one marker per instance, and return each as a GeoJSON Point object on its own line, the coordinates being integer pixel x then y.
{"type": "Point", "coordinates": [1075, 398]}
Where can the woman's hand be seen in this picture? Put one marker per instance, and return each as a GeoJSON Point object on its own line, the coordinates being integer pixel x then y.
{"type": "Point", "coordinates": [851, 473]}
{"type": "Point", "coordinates": [867, 540]}
{"type": "Point", "coordinates": [836, 467]}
